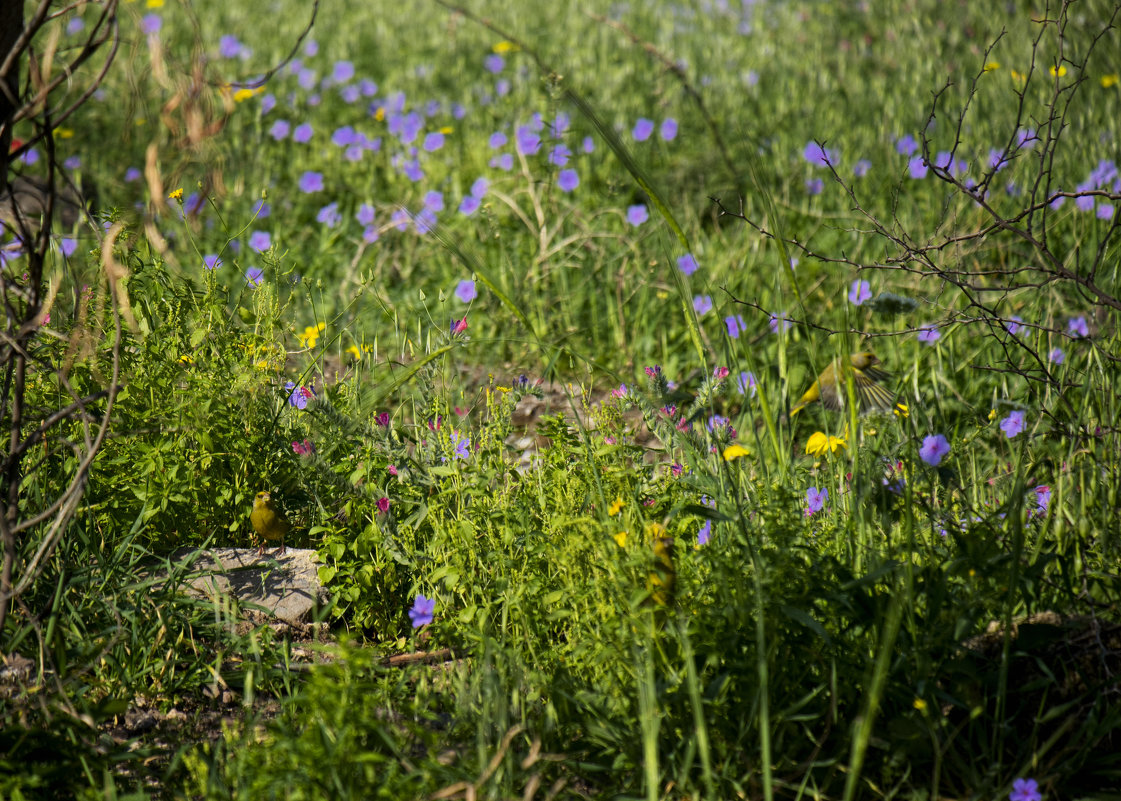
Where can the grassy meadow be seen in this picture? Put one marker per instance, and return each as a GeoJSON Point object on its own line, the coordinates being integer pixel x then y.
{"type": "Point", "coordinates": [352, 249]}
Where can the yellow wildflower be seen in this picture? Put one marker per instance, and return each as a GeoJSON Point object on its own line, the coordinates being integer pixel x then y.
{"type": "Point", "coordinates": [992, 65]}
{"type": "Point", "coordinates": [379, 115]}
{"type": "Point", "coordinates": [244, 94]}
{"type": "Point", "coordinates": [735, 451]}
{"type": "Point", "coordinates": [446, 129]}
{"type": "Point", "coordinates": [1058, 72]}
{"type": "Point", "coordinates": [1018, 77]}
{"type": "Point", "coordinates": [176, 195]}
{"type": "Point", "coordinates": [615, 507]}
{"type": "Point", "coordinates": [505, 47]}
{"type": "Point", "coordinates": [920, 704]}
{"type": "Point", "coordinates": [310, 335]}
{"type": "Point", "coordinates": [992, 415]}
{"type": "Point", "coordinates": [901, 410]}
{"type": "Point", "coordinates": [621, 539]}
{"type": "Point", "coordinates": [819, 442]}
{"type": "Point", "coordinates": [1110, 80]}
{"type": "Point", "coordinates": [155, 3]}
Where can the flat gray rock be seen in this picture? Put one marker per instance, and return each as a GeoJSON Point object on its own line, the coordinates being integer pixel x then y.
{"type": "Point", "coordinates": [284, 587]}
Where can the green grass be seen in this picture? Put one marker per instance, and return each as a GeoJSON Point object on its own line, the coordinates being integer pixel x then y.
{"type": "Point", "coordinates": [864, 650]}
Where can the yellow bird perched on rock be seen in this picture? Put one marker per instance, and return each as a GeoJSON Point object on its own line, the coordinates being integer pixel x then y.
{"type": "Point", "coordinates": [269, 522]}
{"type": "Point", "coordinates": [829, 388]}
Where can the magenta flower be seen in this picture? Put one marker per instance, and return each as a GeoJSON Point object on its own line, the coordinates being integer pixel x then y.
{"type": "Point", "coordinates": [620, 391]}
{"type": "Point", "coordinates": [305, 448]}
{"type": "Point", "coordinates": [383, 505]}
{"type": "Point", "coordinates": [933, 449]}
{"type": "Point", "coordinates": [422, 612]}
{"type": "Point", "coordinates": [720, 373]}
{"type": "Point", "coordinates": [458, 326]}
{"type": "Point", "coordinates": [1013, 424]}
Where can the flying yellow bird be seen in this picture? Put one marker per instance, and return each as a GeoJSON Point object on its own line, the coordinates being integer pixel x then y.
{"type": "Point", "coordinates": [829, 388]}
{"type": "Point", "coordinates": [269, 522]}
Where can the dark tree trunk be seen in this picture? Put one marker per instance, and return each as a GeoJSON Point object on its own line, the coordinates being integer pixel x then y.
{"type": "Point", "coordinates": [11, 25]}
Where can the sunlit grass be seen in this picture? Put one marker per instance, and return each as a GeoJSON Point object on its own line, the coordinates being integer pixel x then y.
{"type": "Point", "coordinates": [748, 603]}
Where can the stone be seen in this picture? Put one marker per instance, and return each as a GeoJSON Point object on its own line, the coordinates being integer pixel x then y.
{"type": "Point", "coordinates": [284, 587]}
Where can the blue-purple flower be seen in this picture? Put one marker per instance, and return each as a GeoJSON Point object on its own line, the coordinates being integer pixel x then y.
{"type": "Point", "coordinates": [637, 214]}
{"type": "Point", "coordinates": [422, 611]}
{"type": "Point", "coordinates": [687, 264]}
{"type": "Point", "coordinates": [465, 290]}
{"type": "Point", "coordinates": [1025, 790]}
{"type": "Point", "coordinates": [461, 445]}
{"type": "Point", "coordinates": [859, 292]}
{"type": "Point", "coordinates": [815, 500]}
{"type": "Point", "coordinates": [568, 180]}
{"type": "Point", "coordinates": [934, 447]}
{"type": "Point", "coordinates": [310, 181]}
{"type": "Point", "coordinates": [1013, 424]}
{"type": "Point", "coordinates": [642, 129]}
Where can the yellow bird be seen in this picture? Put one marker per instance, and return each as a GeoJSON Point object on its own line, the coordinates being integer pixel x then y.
{"type": "Point", "coordinates": [829, 388]}
{"type": "Point", "coordinates": [269, 522]}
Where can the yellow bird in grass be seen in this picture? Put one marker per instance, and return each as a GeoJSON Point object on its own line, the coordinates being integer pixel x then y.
{"type": "Point", "coordinates": [829, 388]}
{"type": "Point", "coordinates": [269, 522]}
